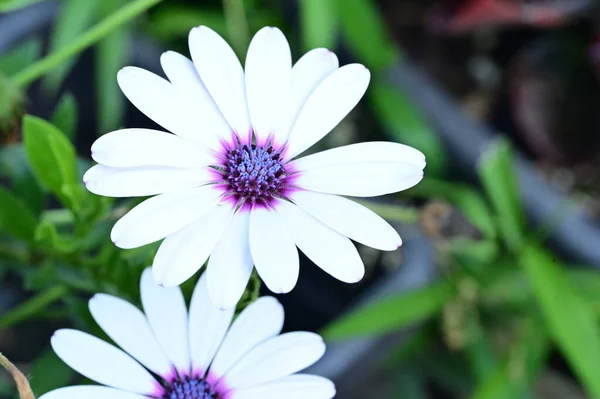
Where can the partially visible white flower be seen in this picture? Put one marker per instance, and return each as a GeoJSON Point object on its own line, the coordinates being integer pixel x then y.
{"type": "Point", "coordinates": [228, 185]}
{"type": "Point", "coordinates": [195, 356]}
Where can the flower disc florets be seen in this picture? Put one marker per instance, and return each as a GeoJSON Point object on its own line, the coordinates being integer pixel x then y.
{"type": "Point", "coordinates": [191, 388]}
{"type": "Point", "coordinates": [254, 174]}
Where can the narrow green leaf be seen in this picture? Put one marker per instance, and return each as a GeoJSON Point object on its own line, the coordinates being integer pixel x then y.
{"type": "Point", "coordinates": [496, 170]}
{"type": "Point", "coordinates": [319, 23]}
{"type": "Point", "coordinates": [12, 5]}
{"type": "Point", "coordinates": [16, 219]}
{"type": "Point", "coordinates": [392, 313]}
{"type": "Point", "coordinates": [23, 55]}
{"type": "Point", "coordinates": [74, 18]}
{"type": "Point", "coordinates": [48, 372]}
{"type": "Point", "coordinates": [570, 320]}
{"type": "Point", "coordinates": [52, 157]}
{"type": "Point", "coordinates": [65, 115]}
{"type": "Point", "coordinates": [111, 55]}
{"type": "Point", "coordinates": [403, 122]}
{"type": "Point", "coordinates": [363, 29]}
{"type": "Point", "coordinates": [513, 377]}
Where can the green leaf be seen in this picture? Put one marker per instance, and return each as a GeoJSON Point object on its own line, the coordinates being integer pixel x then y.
{"type": "Point", "coordinates": [403, 122]}
{"type": "Point", "coordinates": [65, 115]}
{"type": "Point", "coordinates": [111, 55]}
{"type": "Point", "coordinates": [363, 29]}
{"type": "Point", "coordinates": [47, 236]}
{"type": "Point", "coordinates": [392, 313]}
{"type": "Point", "coordinates": [319, 23]}
{"type": "Point", "coordinates": [15, 166]}
{"type": "Point", "coordinates": [16, 219]}
{"type": "Point", "coordinates": [23, 55]}
{"type": "Point", "coordinates": [496, 170]}
{"type": "Point", "coordinates": [468, 200]}
{"type": "Point", "coordinates": [570, 320]}
{"type": "Point", "coordinates": [513, 377]}
{"type": "Point", "coordinates": [74, 18]}
{"type": "Point", "coordinates": [52, 158]}
{"type": "Point", "coordinates": [175, 21]}
{"type": "Point", "coordinates": [12, 5]}
{"type": "Point", "coordinates": [48, 372]}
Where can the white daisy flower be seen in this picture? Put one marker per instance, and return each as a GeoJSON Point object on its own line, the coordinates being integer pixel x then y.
{"type": "Point", "coordinates": [170, 354]}
{"type": "Point", "coordinates": [229, 186]}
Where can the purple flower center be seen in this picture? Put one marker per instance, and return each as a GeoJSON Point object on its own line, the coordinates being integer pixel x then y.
{"type": "Point", "coordinates": [191, 388]}
{"type": "Point", "coordinates": [254, 174]}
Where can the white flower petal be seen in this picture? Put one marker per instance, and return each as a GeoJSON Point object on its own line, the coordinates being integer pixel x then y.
{"type": "Point", "coordinates": [90, 392]}
{"type": "Point", "coordinates": [183, 253]}
{"type": "Point", "coordinates": [143, 181]}
{"type": "Point", "coordinates": [127, 326]}
{"type": "Point", "coordinates": [374, 151]}
{"type": "Point", "coordinates": [223, 76]}
{"type": "Point", "coordinates": [101, 362]}
{"type": "Point", "coordinates": [230, 264]}
{"type": "Point", "coordinates": [158, 100]}
{"type": "Point", "coordinates": [144, 147]}
{"type": "Point", "coordinates": [297, 386]}
{"type": "Point", "coordinates": [328, 104]}
{"type": "Point", "coordinates": [211, 126]}
{"type": "Point", "coordinates": [268, 82]}
{"type": "Point", "coordinates": [307, 73]}
{"type": "Point", "coordinates": [163, 215]}
{"type": "Point", "coordinates": [327, 248]}
{"type": "Point", "coordinates": [276, 358]}
{"type": "Point", "coordinates": [260, 321]}
{"type": "Point", "coordinates": [349, 218]}
{"type": "Point", "coordinates": [361, 180]}
{"type": "Point", "coordinates": [273, 250]}
{"type": "Point", "coordinates": [167, 315]}
{"type": "Point", "coordinates": [208, 326]}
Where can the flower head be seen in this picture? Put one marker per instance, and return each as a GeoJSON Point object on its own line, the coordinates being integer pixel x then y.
{"type": "Point", "coordinates": [228, 182]}
{"type": "Point", "coordinates": [170, 354]}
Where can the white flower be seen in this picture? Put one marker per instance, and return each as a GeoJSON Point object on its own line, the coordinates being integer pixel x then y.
{"type": "Point", "coordinates": [227, 182]}
{"type": "Point", "coordinates": [196, 356]}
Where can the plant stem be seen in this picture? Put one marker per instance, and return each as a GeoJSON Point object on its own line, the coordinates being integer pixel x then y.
{"type": "Point", "coordinates": [20, 379]}
{"type": "Point", "coordinates": [237, 25]}
{"type": "Point", "coordinates": [33, 306]}
{"type": "Point", "coordinates": [391, 212]}
{"type": "Point", "coordinates": [100, 30]}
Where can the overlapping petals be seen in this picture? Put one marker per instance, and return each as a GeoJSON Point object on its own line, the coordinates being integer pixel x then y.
{"type": "Point", "coordinates": [247, 359]}
{"type": "Point", "coordinates": [211, 104]}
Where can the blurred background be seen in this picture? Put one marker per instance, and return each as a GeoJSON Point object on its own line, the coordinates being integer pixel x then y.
{"type": "Point", "coordinates": [495, 293]}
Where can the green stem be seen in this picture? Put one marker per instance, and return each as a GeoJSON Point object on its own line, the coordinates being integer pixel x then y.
{"type": "Point", "coordinates": [100, 30]}
{"type": "Point", "coordinates": [390, 212]}
{"type": "Point", "coordinates": [33, 306]}
{"type": "Point", "coordinates": [58, 216]}
{"type": "Point", "coordinates": [237, 25]}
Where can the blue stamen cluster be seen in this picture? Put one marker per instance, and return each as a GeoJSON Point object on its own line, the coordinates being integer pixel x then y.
{"type": "Point", "coordinates": [254, 173]}
{"type": "Point", "coordinates": [190, 388]}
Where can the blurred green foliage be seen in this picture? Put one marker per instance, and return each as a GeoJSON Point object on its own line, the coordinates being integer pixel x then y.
{"type": "Point", "coordinates": [486, 327]}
